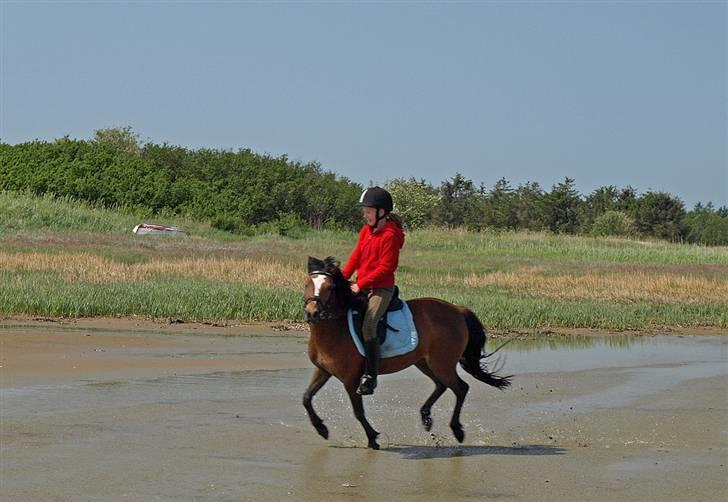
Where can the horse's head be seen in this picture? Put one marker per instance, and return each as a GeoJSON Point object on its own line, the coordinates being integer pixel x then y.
{"type": "Point", "coordinates": [327, 292]}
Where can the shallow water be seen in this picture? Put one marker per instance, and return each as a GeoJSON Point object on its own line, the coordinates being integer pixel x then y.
{"type": "Point", "coordinates": [648, 363]}
{"type": "Point", "coordinates": [576, 353]}
{"type": "Point", "coordinates": [243, 435]}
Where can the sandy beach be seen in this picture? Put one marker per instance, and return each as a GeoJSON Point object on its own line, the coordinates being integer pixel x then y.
{"type": "Point", "coordinates": [136, 410]}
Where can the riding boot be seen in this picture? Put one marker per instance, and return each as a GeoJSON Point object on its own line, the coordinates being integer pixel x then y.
{"type": "Point", "coordinates": [369, 379]}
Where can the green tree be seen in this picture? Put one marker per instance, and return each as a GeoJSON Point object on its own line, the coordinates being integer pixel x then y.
{"type": "Point", "coordinates": [707, 226]}
{"type": "Point", "coordinates": [500, 208]}
{"type": "Point", "coordinates": [600, 201]}
{"type": "Point", "coordinates": [660, 214]}
{"type": "Point", "coordinates": [457, 197]}
{"type": "Point", "coordinates": [627, 200]}
{"type": "Point", "coordinates": [529, 207]}
{"type": "Point", "coordinates": [414, 200]}
{"type": "Point", "coordinates": [562, 207]}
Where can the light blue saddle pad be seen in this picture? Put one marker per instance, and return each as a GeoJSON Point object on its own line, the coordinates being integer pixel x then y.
{"type": "Point", "coordinates": [397, 342]}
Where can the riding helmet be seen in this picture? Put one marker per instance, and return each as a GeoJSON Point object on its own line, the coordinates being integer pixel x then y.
{"type": "Point", "coordinates": [376, 197]}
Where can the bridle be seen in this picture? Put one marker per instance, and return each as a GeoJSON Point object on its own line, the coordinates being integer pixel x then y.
{"type": "Point", "coordinates": [324, 313]}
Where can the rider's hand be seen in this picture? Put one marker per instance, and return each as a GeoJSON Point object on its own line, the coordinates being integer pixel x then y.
{"type": "Point", "coordinates": [355, 289]}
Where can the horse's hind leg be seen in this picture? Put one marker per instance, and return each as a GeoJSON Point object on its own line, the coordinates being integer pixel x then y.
{"type": "Point", "coordinates": [450, 378]}
{"type": "Point", "coordinates": [460, 388]}
{"type": "Point", "coordinates": [440, 388]}
{"type": "Point", "coordinates": [320, 377]}
{"type": "Point", "coordinates": [358, 405]}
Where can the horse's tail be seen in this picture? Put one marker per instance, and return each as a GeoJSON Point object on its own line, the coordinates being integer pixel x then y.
{"type": "Point", "coordinates": [475, 352]}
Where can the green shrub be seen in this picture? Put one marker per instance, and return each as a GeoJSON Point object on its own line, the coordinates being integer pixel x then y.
{"type": "Point", "coordinates": [613, 223]}
{"type": "Point", "coordinates": [707, 228]}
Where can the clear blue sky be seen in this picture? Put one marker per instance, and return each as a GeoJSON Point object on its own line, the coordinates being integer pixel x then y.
{"type": "Point", "coordinates": [608, 93]}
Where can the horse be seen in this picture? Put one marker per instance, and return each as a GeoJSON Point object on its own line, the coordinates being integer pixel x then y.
{"type": "Point", "coordinates": [448, 334]}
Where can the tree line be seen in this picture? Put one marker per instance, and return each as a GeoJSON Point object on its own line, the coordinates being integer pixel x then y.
{"type": "Point", "coordinates": [607, 210]}
{"type": "Point", "coordinates": [236, 191]}
{"type": "Point", "coordinates": [245, 192]}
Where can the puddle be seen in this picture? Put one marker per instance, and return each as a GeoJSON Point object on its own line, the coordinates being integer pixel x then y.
{"type": "Point", "coordinates": [638, 366]}
{"type": "Point", "coordinates": [577, 353]}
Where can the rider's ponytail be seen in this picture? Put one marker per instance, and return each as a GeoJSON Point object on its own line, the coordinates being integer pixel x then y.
{"type": "Point", "coordinates": [397, 219]}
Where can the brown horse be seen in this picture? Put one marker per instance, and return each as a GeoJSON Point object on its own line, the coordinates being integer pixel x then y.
{"type": "Point", "coordinates": [448, 334]}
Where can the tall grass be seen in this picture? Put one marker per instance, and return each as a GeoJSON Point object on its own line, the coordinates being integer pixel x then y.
{"type": "Point", "coordinates": [91, 268]}
{"type": "Point", "coordinates": [62, 258]}
{"type": "Point", "coordinates": [190, 299]}
{"type": "Point", "coordinates": [546, 246]}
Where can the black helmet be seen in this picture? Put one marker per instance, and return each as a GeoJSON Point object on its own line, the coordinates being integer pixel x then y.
{"type": "Point", "coordinates": [376, 197]}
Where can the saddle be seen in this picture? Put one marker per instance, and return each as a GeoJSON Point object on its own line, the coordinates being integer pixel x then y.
{"type": "Point", "coordinates": [395, 304]}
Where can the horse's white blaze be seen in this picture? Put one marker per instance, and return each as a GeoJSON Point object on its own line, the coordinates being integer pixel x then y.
{"type": "Point", "coordinates": [318, 281]}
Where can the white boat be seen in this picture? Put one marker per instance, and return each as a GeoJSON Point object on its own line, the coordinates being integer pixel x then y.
{"type": "Point", "coordinates": [153, 228]}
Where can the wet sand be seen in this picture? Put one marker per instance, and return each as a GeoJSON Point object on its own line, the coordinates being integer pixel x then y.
{"type": "Point", "coordinates": [132, 410]}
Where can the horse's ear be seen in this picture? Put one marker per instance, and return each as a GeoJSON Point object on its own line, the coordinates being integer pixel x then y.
{"type": "Point", "coordinates": [331, 263]}
{"type": "Point", "coordinates": [315, 264]}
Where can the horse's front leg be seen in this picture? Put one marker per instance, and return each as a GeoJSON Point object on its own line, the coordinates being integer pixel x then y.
{"type": "Point", "coordinates": [358, 405]}
{"type": "Point", "coordinates": [320, 377]}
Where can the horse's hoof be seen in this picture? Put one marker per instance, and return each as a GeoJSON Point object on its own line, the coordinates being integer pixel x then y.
{"type": "Point", "coordinates": [458, 433]}
{"type": "Point", "coordinates": [323, 431]}
{"type": "Point", "coordinates": [373, 440]}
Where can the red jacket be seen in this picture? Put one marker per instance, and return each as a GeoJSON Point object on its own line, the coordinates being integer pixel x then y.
{"type": "Point", "coordinates": [376, 256]}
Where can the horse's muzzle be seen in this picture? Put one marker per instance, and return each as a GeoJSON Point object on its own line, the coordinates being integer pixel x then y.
{"type": "Point", "coordinates": [312, 317]}
{"type": "Point", "coordinates": [312, 307]}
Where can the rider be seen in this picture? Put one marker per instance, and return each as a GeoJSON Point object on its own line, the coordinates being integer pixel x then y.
{"type": "Point", "coordinates": [375, 258]}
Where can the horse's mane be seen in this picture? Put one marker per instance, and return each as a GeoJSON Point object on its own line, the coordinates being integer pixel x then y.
{"type": "Point", "coordinates": [344, 295]}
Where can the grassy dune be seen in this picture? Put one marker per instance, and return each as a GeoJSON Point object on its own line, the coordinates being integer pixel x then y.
{"type": "Point", "coordinates": [63, 258]}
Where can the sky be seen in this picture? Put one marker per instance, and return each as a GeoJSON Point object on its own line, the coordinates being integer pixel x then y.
{"type": "Point", "coordinates": [607, 93]}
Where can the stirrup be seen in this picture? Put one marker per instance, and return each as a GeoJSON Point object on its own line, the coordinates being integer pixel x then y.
{"type": "Point", "coordinates": [367, 385]}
